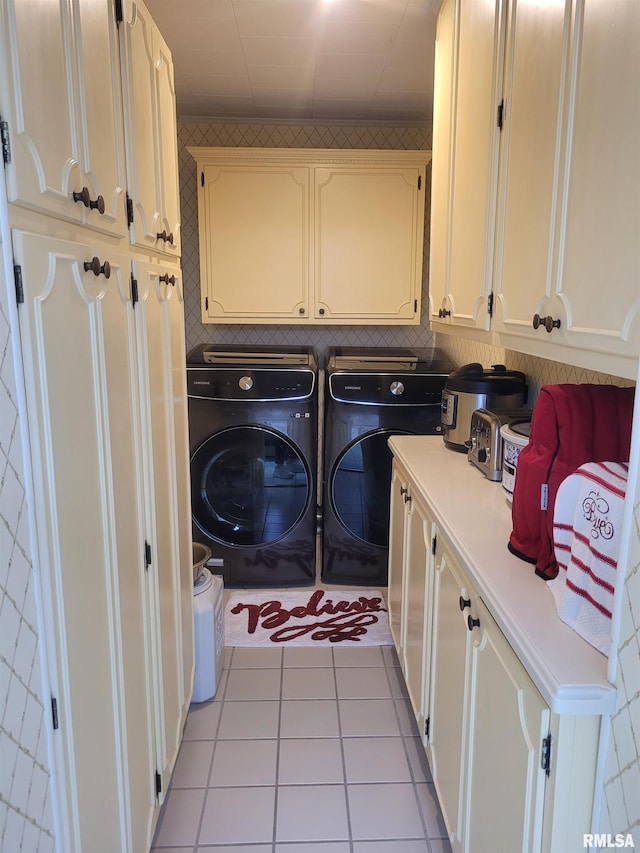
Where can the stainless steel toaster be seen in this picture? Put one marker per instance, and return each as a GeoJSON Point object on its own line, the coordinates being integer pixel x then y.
{"type": "Point", "coordinates": [485, 441]}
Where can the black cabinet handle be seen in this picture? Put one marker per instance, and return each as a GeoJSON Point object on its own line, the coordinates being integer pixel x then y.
{"type": "Point", "coordinates": [442, 313]}
{"type": "Point", "coordinates": [300, 310]}
{"type": "Point", "coordinates": [168, 279]}
{"type": "Point", "coordinates": [472, 623]}
{"type": "Point", "coordinates": [464, 602]}
{"type": "Point", "coordinates": [546, 322]}
{"type": "Point", "coordinates": [166, 238]}
{"type": "Point", "coordinates": [321, 311]}
{"type": "Point", "coordinates": [96, 268]}
{"type": "Point", "coordinates": [93, 204]}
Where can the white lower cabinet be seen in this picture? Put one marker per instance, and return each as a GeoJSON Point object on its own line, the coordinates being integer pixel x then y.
{"type": "Point", "coordinates": [114, 552]}
{"type": "Point", "coordinates": [510, 775]}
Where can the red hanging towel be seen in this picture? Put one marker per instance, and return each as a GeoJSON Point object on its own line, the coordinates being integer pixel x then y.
{"type": "Point", "coordinates": [570, 425]}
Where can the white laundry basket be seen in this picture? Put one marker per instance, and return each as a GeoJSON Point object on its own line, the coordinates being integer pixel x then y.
{"type": "Point", "coordinates": [208, 616]}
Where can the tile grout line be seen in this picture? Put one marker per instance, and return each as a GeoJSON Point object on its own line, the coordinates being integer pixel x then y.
{"type": "Point", "coordinates": [342, 756]}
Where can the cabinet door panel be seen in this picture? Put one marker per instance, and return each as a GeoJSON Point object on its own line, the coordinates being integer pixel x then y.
{"type": "Point", "coordinates": [45, 167]}
{"type": "Point", "coordinates": [368, 242]}
{"type": "Point", "coordinates": [141, 123]}
{"type": "Point", "coordinates": [396, 557]}
{"type": "Point", "coordinates": [440, 226]}
{"type": "Point", "coordinates": [254, 227]}
{"type": "Point", "coordinates": [598, 274]}
{"type": "Point", "coordinates": [167, 142]}
{"type": "Point", "coordinates": [418, 580]}
{"type": "Point", "coordinates": [504, 748]}
{"type": "Point", "coordinates": [78, 351]}
{"type": "Point", "coordinates": [529, 167]}
{"type": "Point", "coordinates": [475, 159]}
{"type": "Point", "coordinates": [101, 128]}
{"type": "Point", "coordinates": [153, 319]}
{"type": "Point", "coordinates": [447, 703]}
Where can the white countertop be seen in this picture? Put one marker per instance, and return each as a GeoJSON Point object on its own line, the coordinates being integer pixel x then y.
{"type": "Point", "coordinates": [472, 511]}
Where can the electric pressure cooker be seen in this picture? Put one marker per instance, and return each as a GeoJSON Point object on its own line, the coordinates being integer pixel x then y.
{"type": "Point", "coordinates": [473, 387]}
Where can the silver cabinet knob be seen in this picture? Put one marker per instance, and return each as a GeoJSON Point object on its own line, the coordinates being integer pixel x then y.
{"type": "Point", "coordinates": [396, 388]}
{"type": "Point", "coordinates": [246, 383]}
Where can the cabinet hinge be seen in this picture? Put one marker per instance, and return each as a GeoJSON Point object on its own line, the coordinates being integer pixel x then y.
{"type": "Point", "coordinates": [427, 726]}
{"type": "Point", "coordinates": [419, 182]}
{"type": "Point", "coordinates": [158, 784]}
{"type": "Point", "coordinates": [54, 712]}
{"type": "Point", "coordinates": [134, 290]}
{"type": "Point", "coordinates": [129, 209]}
{"type": "Point", "coordinates": [500, 114]}
{"type": "Point", "coordinates": [118, 11]}
{"type": "Point", "coordinates": [545, 754]}
{"type": "Point", "coordinates": [6, 142]}
{"type": "Point", "coordinates": [17, 277]}
{"type": "Point", "coordinates": [147, 556]}
{"type": "Point", "coordinates": [490, 304]}
{"type": "Point", "coordinates": [434, 545]}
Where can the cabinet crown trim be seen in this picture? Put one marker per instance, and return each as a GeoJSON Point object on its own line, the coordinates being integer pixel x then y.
{"type": "Point", "coordinates": [309, 156]}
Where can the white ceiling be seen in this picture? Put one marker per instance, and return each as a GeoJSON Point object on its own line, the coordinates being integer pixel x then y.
{"type": "Point", "coordinates": [341, 61]}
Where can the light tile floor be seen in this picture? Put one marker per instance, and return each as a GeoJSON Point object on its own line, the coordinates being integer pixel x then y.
{"type": "Point", "coordinates": [303, 751]}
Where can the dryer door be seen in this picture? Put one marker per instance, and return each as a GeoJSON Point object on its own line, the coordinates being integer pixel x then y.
{"type": "Point", "coordinates": [361, 485]}
{"type": "Point", "coordinates": [249, 486]}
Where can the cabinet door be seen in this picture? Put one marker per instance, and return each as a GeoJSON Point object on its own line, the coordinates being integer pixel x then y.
{"type": "Point", "coordinates": [445, 57]}
{"type": "Point", "coordinates": [171, 560]}
{"type": "Point", "coordinates": [447, 708]}
{"type": "Point", "coordinates": [80, 363]}
{"type": "Point", "coordinates": [65, 119]}
{"type": "Point", "coordinates": [396, 556]}
{"type": "Point", "coordinates": [417, 592]}
{"type": "Point", "coordinates": [167, 137]}
{"type": "Point", "coordinates": [505, 782]}
{"type": "Point", "coordinates": [369, 223]}
{"type": "Point", "coordinates": [598, 267]}
{"type": "Point", "coordinates": [475, 161]}
{"type": "Point", "coordinates": [528, 163]}
{"type": "Point", "coordinates": [254, 233]}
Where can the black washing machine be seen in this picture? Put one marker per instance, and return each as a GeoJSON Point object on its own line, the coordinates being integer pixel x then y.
{"type": "Point", "coordinates": [370, 394]}
{"type": "Point", "coordinates": [253, 444]}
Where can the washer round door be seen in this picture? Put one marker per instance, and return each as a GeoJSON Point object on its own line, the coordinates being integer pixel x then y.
{"type": "Point", "coordinates": [361, 486]}
{"type": "Point", "coordinates": [249, 486]}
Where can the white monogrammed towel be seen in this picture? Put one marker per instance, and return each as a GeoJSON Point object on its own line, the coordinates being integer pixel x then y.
{"type": "Point", "coordinates": [587, 523]}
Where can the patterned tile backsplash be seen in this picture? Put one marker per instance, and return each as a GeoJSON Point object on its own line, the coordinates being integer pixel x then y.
{"type": "Point", "coordinates": [26, 820]}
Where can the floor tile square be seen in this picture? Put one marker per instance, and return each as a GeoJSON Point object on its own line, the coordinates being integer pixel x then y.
{"type": "Point", "coordinates": [417, 846]}
{"type": "Point", "coordinates": [358, 656]}
{"type": "Point", "coordinates": [202, 721]}
{"type": "Point", "coordinates": [431, 811]}
{"type": "Point", "coordinates": [307, 762]}
{"type": "Point", "coordinates": [312, 813]}
{"type": "Point", "coordinates": [406, 717]}
{"type": "Point", "coordinates": [244, 762]}
{"type": "Point", "coordinates": [269, 658]}
{"type": "Point", "coordinates": [367, 717]}
{"type": "Point", "coordinates": [247, 684]}
{"type": "Point", "coordinates": [384, 811]}
{"type": "Point", "coordinates": [193, 764]}
{"type": "Point", "coordinates": [307, 657]}
{"type": "Point", "coordinates": [418, 759]}
{"type": "Point", "coordinates": [390, 656]}
{"type": "Point", "coordinates": [397, 683]}
{"type": "Point", "coordinates": [375, 759]}
{"type": "Point", "coordinates": [251, 719]}
{"type": "Point", "coordinates": [238, 815]}
{"type": "Point", "coordinates": [363, 683]}
{"type": "Point", "coordinates": [308, 683]}
{"type": "Point", "coordinates": [310, 718]}
{"type": "Point", "coordinates": [178, 824]}
{"type": "Point", "coordinates": [325, 847]}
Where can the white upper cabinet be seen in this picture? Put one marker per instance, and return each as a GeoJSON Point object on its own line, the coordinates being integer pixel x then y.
{"type": "Point", "coordinates": [61, 88]}
{"type": "Point", "coordinates": [150, 122]}
{"type": "Point", "coordinates": [310, 236]}
{"type": "Point", "coordinates": [553, 268]}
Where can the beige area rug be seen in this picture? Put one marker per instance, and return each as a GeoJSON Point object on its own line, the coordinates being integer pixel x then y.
{"type": "Point", "coordinates": [314, 617]}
